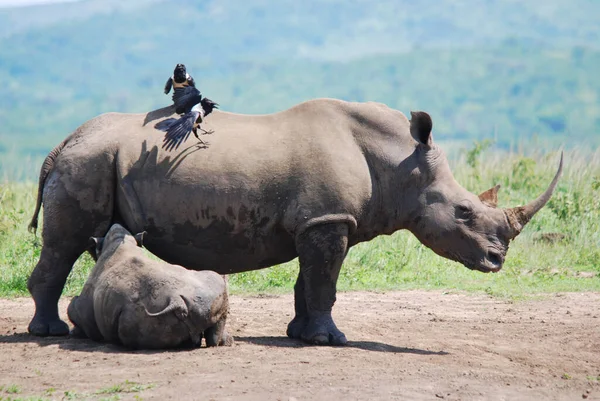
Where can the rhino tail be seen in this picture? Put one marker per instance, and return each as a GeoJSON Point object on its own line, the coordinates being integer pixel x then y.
{"type": "Point", "coordinates": [47, 167]}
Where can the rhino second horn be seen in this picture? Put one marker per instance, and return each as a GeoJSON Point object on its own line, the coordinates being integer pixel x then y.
{"type": "Point", "coordinates": [518, 217]}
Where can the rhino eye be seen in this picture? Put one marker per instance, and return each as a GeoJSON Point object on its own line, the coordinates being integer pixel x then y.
{"type": "Point", "coordinates": [464, 212]}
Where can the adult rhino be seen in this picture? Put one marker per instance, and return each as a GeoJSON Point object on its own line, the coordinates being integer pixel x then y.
{"type": "Point", "coordinates": [307, 182]}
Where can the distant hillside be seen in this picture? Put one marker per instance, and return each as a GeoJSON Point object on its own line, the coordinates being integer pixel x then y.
{"type": "Point", "coordinates": [503, 69]}
{"type": "Point", "coordinates": [329, 29]}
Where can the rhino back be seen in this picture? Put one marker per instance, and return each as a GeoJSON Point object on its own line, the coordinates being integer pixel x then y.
{"type": "Point", "coordinates": [237, 204]}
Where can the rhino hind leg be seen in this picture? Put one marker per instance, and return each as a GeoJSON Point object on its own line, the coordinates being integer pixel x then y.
{"type": "Point", "coordinates": [321, 250]}
{"type": "Point", "coordinates": [45, 285]}
{"type": "Point", "coordinates": [66, 231]}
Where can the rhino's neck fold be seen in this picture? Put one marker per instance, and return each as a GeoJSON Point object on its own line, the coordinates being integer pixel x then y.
{"type": "Point", "coordinates": [396, 188]}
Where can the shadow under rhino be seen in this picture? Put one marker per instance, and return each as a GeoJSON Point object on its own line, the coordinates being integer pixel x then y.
{"type": "Point", "coordinates": [283, 342]}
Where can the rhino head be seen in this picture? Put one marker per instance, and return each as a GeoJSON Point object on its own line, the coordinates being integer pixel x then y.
{"type": "Point", "coordinates": [455, 223]}
{"type": "Point", "coordinates": [116, 235]}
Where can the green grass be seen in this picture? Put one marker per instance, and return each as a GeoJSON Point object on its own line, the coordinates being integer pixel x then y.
{"type": "Point", "coordinates": [125, 387]}
{"type": "Point", "coordinates": [109, 393]}
{"type": "Point", "coordinates": [33, 398]}
{"type": "Point", "coordinates": [11, 389]}
{"type": "Point", "coordinates": [15, 389]}
{"type": "Point", "coordinates": [399, 261]}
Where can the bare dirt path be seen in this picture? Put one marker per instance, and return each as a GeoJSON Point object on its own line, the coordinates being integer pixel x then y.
{"type": "Point", "coordinates": [403, 345]}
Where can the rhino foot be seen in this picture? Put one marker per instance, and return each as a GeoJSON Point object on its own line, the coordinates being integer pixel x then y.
{"type": "Point", "coordinates": [43, 328]}
{"type": "Point", "coordinates": [297, 326]}
{"type": "Point", "coordinates": [321, 330]}
{"type": "Point", "coordinates": [77, 332]}
{"type": "Point", "coordinates": [217, 335]}
{"type": "Point", "coordinates": [226, 340]}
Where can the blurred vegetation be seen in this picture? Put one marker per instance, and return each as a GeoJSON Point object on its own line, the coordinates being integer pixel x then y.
{"type": "Point", "coordinates": [480, 68]}
{"type": "Point", "coordinates": [400, 261]}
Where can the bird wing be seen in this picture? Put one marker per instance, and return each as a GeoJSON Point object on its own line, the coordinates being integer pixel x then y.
{"type": "Point", "coordinates": [185, 98]}
{"type": "Point", "coordinates": [168, 85]}
{"type": "Point", "coordinates": [179, 130]}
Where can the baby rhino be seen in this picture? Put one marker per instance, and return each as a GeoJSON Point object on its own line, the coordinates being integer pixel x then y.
{"type": "Point", "coordinates": [140, 303]}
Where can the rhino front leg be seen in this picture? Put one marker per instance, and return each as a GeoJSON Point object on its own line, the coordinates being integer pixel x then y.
{"type": "Point", "coordinates": [321, 250]}
{"type": "Point", "coordinates": [217, 335]}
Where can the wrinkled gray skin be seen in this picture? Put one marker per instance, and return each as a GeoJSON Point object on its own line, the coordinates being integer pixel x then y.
{"type": "Point", "coordinates": [308, 182]}
{"type": "Point", "coordinates": [141, 303]}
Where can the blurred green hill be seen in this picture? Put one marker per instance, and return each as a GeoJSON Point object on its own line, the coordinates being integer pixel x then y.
{"type": "Point", "coordinates": [504, 69]}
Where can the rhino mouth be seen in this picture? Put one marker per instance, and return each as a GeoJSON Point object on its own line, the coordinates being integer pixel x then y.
{"type": "Point", "coordinates": [484, 268]}
{"type": "Point", "coordinates": [494, 260]}
{"type": "Point", "coordinates": [490, 263]}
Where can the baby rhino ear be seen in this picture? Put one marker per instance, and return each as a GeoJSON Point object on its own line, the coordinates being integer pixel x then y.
{"type": "Point", "coordinates": [490, 197]}
{"type": "Point", "coordinates": [95, 247]}
{"type": "Point", "coordinates": [139, 238]}
{"type": "Point", "coordinates": [421, 126]}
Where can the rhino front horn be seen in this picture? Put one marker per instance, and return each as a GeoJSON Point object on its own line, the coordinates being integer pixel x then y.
{"type": "Point", "coordinates": [518, 217]}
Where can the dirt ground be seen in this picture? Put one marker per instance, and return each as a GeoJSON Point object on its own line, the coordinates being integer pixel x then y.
{"type": "Point", "coordinates": [402, 345]}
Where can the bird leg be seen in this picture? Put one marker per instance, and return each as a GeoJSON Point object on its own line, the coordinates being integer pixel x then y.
{"type": "Point", "coordinates": [195, 131]}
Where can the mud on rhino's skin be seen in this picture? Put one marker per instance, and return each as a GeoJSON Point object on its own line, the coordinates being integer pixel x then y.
{"type": "Point", "coordinates": [141, 303]}
{"type": "Point", "coordinates": [307, 182]}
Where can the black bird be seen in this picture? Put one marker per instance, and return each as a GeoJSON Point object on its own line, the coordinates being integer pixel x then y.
{"type": "Point", "coordinates": [194, 108]}
{"type": "Point", "coordinates": [180, 80]}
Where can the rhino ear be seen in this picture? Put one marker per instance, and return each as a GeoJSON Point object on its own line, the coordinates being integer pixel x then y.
{"type": "Point", "coordinates": [490, 197]}
{"type": "Point", "coordinates": [95, 247]}
{"type": "Point", "coordinates": [139, 238]}
{"type": "Point", "coordinates": [421, 126]}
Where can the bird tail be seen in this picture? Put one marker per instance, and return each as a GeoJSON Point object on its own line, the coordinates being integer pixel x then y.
{"type": "Point", "coordinates": [165, 124]}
